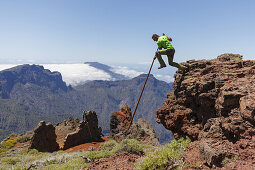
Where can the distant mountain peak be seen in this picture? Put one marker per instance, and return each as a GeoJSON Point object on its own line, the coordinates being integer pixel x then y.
{"type": "Point", "coordinates": [33, 74]}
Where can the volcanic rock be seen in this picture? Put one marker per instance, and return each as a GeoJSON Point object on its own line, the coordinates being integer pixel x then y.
{"type": "Point", "coordinates": [44, 138]}
{"type": "Point", "coordinates": [141, 130]}
{"type": "Point", "coordinates": [213, 103]}
{"type": "Point", "coordinates": [87, 131]}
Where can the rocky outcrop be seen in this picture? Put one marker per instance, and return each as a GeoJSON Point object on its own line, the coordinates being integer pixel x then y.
{"type": "Point", "coordinates": [66, 134]}
{"type": "Point", "coordinates": [213, 103]}
{"type": "Point", "coordinates": [141, 130]}
{"type": "Point", "coordinates": [87, 131]}
{"type": "Point", "coordinates": [44, 138]}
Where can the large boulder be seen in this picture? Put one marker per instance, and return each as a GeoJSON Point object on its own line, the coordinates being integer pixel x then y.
{"type": "Point", "coordinates": [87, 131]}
{"type": "Point", "coordinates": [213, 104]}
{"type": "Point", "coordinates": [44, 138]}
{"type": "Point", "coordinates": [141, 129]}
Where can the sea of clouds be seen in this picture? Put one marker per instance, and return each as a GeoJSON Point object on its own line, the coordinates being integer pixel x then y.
{"type": "Point", "coordinates": [75, 74]}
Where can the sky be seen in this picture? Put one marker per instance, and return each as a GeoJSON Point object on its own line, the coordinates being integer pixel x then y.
{"type": "Point", "coordinates": [119, 31]}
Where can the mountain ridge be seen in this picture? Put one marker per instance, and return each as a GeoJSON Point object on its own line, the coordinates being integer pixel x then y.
{"type": "Point", "coordinates": [29, 102]}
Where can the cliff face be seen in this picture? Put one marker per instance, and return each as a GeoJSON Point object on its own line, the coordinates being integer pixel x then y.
{"type": "Point", "coordinates": [213, 104]}
{"type": "Point", "coordinates": [30, 74]}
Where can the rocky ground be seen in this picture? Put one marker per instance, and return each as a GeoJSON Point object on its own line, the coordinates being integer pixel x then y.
{"type": "Point", "coordinates": [86, 138]}
{"type": "Point", "coordinates": [121, 161]}
{"type": "Point", "coordinates": [213, 104]}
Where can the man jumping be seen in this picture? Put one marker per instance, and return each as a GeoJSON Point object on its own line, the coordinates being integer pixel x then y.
{"type": "Point", "coordinates": [164, 42]}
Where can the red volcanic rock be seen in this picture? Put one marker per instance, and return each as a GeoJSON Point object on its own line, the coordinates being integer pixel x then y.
{"type": "Point", "coordinates": [86, 131]}
{"type": "Point", "coordinates": [213, 104]}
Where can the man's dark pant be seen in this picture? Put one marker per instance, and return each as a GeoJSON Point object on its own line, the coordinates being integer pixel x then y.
{"type": "Point", "coordinates": [170, 55]}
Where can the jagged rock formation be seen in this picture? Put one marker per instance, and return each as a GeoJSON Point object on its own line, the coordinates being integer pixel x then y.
{"type": "Point", "coordinates": [44, 138]}
{"type": "Point", "coordinates": [213, 103]}
{"type": "Point", "coordinates": [142, 129]}
{"type": "Point", "coordinates": [66, 134]}
{"type": "Point", "coordinates": [64, 128]}
{"type": "Point", "coordinates": [87, 131]}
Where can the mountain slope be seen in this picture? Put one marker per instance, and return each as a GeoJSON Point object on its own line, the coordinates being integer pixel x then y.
{"type": "Point", "coordinates": [39, 95]}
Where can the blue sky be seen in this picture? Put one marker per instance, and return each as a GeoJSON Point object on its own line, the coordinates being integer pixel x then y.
{"type": "Point", "coordinates": [119, 31]}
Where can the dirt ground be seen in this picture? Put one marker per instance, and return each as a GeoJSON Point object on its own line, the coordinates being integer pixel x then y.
{"type": "Point", "coordinates": [87, 146]}
{"type": "Point", "coordinates": [120, 161]}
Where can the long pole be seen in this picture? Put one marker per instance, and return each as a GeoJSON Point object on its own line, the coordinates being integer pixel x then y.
{"type": "Point", "coordinates": [141, 93]}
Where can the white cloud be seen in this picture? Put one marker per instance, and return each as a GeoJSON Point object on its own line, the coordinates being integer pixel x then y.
{"type": "Point", "coordinates": [165, 78]}
{"type": "Point", "coordinates": [6, 66]}
{"type": "Point", "coordinates": [125, 71]}
{"type": "Point", "coordinates": [75, 74]}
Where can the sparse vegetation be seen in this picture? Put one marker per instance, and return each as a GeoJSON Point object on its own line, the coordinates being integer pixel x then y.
{"type": "Point", "coordinates": [6, 145]}
{"type": "Point", "coordinates": [33, 152]}
{"type": "Point", "coordinates": [108, 145]}
{"type": "Point", "coordinates": [168, 156]}
{"type": "Point", "coordinates": [98, 154]}
{"type": "Point", "coordinates": [111, 147]}
{"type": "Point", "coordinates": [132, 146]}
{"type": "Point", "coordinates": [224, 70]}
{"type": "Point", "coordinates": [77, 163]}
{"type": "Point", "coordinates": [228, 160]}
{"type": "Point", "coordinates": [10, 160]}
{"type": "Point", "coordinates": [23, 138]}
{"type": "Point", "coordinates": [239, 58]}
{"type": "Point", "coordinates": [197, 164]}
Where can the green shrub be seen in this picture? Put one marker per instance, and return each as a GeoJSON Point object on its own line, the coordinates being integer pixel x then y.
{"type": "Point", "coordinates": [167, 157]}
{"type": "Point", "coordinates": [20, 167]}
{"type": "Point", "coordinates": [3, 150]}
{"type": "Point", "coordinates": [33, 155]}
{"type": "Point", "coordinates": [49, 162]}
{"type": "Point", "coordinates": [23, 139]}
{"type": "Point", "coordinates": [227, 160]}
{"type": "Point", "coordinates": [5, 166]}
{"type": "Point", "coordinates": [10, 160]}
{"type": "Point", "coordinates": [13, 135]}
{"type": "Point", "coordinates": [77, 163]}
{"type": "Point", "coordinates": [33, 152]}
{"type": "Point", "coordinates": [61, 152]}
{"type": "Point", "coordinates": [99, 154]}
{"type": "Point", "coordinates": [197, 165]}
{"type": "Point", "coordinates": [108, 145]}
{"type": "Point", "coordinates": [8, 144]}
{"type": "Point", "coordinates": [131, 146]}
{"type": "Point", "coordinates": [24, 152]}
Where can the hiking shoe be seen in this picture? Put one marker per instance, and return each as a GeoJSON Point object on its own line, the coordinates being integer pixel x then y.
{"type": "Point", "coordinates": [160, 67]}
